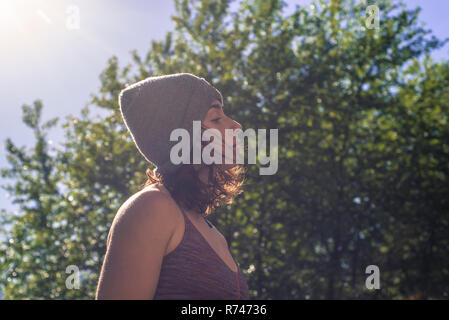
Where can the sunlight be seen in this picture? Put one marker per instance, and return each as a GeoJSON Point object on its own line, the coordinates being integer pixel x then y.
{"type": "Point", "coordinates": [27, 17]}
{"type": "Point", "coordinates": [8, 12]}
{"type": "Point", "coordinates": [29, 25]}
{"type": "Point", "coordinates": [10, 16]}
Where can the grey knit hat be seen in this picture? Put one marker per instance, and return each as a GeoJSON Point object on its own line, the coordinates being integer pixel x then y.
{"type": "Point", "coordinates": [152, 108]}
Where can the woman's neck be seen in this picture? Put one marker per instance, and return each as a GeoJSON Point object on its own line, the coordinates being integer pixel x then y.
{"type": "Point", "coordinates": [203, 174]}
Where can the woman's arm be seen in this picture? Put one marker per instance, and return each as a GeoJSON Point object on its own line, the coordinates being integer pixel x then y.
{"type": "Point", "coordinates": [137, 242]}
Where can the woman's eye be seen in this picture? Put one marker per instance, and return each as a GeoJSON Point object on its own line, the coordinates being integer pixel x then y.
{"type": "Point", "coordinates": [216, 120]}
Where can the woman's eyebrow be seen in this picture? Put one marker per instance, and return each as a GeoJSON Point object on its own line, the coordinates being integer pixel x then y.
{"type": "Point", "coordinates": [216, 106]}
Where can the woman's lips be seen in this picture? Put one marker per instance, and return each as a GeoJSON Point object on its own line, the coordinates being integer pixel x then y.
{"type": "Point", "coordinates": [234, 153]}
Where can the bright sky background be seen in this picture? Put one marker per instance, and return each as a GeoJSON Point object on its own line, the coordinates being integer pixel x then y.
{"type": "Point", "coordinates": [40, 58]}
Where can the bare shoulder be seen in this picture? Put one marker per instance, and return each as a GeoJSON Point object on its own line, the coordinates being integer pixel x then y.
{"type": "Point", "coordinates": [137, 240]}
{"type": "Point", "coordinates": [147, 207]}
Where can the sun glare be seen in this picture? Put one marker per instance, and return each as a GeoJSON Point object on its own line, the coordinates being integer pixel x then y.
{"type": "Point", "coordinates": [7, 12]}
{"type": "Point", "coordinates": [10, 17]}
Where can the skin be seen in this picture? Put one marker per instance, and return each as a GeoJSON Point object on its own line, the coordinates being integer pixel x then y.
{"type": "Point", "coordinates": [143, 231]}
{"type": "Point", "coordinates": [217, 119]}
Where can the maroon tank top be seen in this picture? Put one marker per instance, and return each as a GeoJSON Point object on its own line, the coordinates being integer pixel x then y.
{"type": "Point", "coordinates": [194, 271]}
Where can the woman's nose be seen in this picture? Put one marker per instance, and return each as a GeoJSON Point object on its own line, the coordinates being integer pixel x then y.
{"type": "Point", "coordinates": [237, 125]}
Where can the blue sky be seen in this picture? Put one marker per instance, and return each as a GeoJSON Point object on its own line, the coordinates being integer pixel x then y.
{"type": "Point", "coordinates": [40, 58]}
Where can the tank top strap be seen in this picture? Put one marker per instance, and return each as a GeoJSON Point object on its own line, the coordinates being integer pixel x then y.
{"type": "Point", "coordinates": [188, 219]}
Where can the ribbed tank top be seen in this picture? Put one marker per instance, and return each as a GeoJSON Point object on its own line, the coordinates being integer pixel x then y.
{"type": "Point", "coordinates": [194, 271]}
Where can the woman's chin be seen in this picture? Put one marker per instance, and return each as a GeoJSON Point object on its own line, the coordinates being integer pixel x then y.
{"type": "Point", "coordinates": [227, 166]}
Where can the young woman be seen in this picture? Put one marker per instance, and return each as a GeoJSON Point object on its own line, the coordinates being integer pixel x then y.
{"type": "Point", "coordinates": [160, 244]}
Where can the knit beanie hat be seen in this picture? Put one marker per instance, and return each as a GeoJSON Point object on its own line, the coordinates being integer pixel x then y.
{"type": "Point", "coordinates": [152, 108]}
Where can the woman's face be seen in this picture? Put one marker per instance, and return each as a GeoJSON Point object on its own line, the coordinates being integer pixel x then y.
{"type": "Point", "coordinates": [216, 119]}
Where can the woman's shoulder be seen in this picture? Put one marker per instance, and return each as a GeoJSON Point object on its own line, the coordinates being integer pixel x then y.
{"type": "Point", "coordinates": [151, 200]}
{"type": "Point", "coordinates": [152, 192]}
{"type": "Point", "coordinates": [155, 187]}
{"type": "Point", "coordinates": [147, 207]}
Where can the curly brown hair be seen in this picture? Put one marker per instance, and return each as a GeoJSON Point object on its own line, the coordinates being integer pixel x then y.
{"type": "Point", "coordinates": [191, 193]}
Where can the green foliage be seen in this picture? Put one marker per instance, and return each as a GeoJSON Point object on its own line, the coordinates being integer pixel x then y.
{"type": "Point", "coordinates": [363, 170]}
